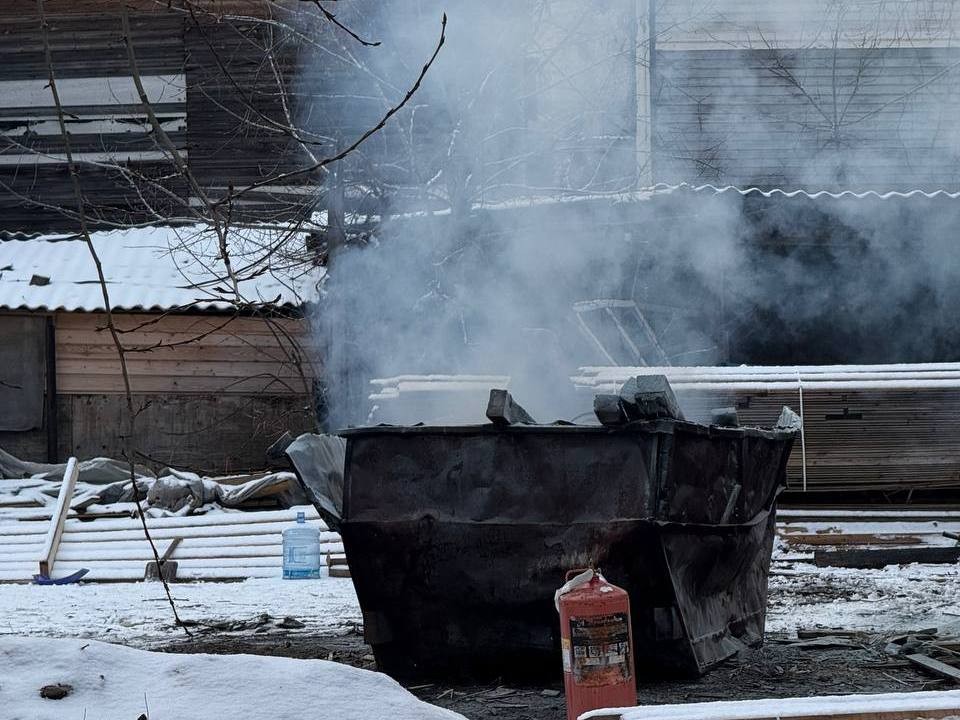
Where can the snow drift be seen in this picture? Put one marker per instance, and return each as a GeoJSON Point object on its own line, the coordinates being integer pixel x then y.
{"type": "Point", "coordinates": [111, 681]}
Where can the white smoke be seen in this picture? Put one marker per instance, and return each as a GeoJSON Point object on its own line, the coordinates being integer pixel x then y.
{"type": "Point", "coordinates": [507, 191]}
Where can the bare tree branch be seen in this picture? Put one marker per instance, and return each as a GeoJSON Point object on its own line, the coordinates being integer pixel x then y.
{"type": "Point", "coordinates": [84, 229]}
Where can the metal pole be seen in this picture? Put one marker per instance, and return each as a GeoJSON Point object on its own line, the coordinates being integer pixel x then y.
{"type": "Point", "coordinates": [643, 61]}
{"type": "Point", "coordinates": [803, 436]}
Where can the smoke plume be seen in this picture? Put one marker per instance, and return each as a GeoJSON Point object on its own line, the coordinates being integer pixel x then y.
{"type": "Point", "coordinates": [512, 193]}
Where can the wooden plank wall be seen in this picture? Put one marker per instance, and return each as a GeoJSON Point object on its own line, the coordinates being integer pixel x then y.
{"type": "Point", "coordinates": [212, 405]}
{"type": "Point", "coordinates": [694, 24]}
{"type": "Point", "coordinates": [901, 101]}
{"type": "Point", "coordinates": [237, 74]}
{"type": "Point", "coordinates": [183, 354]}
{"type": "Point", "coordinates": [209, 433]}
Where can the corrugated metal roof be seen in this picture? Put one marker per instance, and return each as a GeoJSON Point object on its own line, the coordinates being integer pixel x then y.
{"type": "Point", "coordinates": [660, 189]}
{"type": "Point", "coordinates": [664, 188]}
{"type": "Point", "coordinates": [157, 268]}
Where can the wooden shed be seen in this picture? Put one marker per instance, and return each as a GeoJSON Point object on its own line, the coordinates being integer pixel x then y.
{"type": "Point", "coordinates": [216, 373]}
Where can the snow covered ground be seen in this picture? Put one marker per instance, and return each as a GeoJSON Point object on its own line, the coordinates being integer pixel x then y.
{"type": "Point", "coordinates": [110, 682]}
{"type": "Point", "coordinates": [888, 600]}
{"type": "Point", "coordinates": [801, 595]}
{"type": "Point", "coordinates": [138, 614]}
{"type": "Point", "coordinates": [893, 599]}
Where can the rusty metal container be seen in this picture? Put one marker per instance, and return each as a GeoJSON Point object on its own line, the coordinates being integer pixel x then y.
{"type": "Point", "coordinates": [458, 536]}
{"type": "Point", "coordinates": [596, 644]}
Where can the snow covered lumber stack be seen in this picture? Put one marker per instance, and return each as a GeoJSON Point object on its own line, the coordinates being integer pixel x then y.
{"type": "Point", "coordinates": [450, 399]}
{"type": "Point", "coordinates": [889, 706]}
{"type": "Point", "coordinates": [817, 529]}
{"type": "Point", "coordinates": [866, 427]}
{"type": "Point", "coordinates": [215, 546]}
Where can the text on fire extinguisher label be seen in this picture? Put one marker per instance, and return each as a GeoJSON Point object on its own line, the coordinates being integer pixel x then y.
{"type": "Point", "coordinates": [599, 649]}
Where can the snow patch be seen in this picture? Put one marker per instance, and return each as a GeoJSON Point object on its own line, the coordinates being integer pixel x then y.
{"type": "Point", "coordinates": [111, 681]}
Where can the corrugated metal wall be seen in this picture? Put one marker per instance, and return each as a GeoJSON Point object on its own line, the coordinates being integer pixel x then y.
{"type": "Point", "coordinates": [237, 73]}
{"type": "Point", "coordinates": [823, 95]}
{"type": "Point", "coordinates": [191, 68]}
{"type": "Point", "coordinates": [741, 24]}
{"type": "Point", "coordinates": [105, 120]}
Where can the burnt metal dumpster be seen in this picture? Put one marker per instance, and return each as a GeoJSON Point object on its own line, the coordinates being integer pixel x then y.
{"type": "Point", "coordinates": [458, 536]}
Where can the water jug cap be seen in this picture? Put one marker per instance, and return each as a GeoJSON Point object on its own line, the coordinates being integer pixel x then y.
{"type": "Point", "coordinates": [301, 517]}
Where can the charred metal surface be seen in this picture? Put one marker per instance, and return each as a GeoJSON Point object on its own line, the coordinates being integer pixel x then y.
{"type": "Point", "coordinates": [458, 536]}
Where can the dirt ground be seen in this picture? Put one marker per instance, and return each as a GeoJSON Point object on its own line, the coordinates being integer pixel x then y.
{"type": "Point", "coordinates": [777, 669]}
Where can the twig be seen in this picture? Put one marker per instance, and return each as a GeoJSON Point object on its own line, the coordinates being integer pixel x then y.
{"type": "Point", "coordinates": [275, 179]}
{"type": "Point", "coordinates": [333, 18]}
{"type": "Point", "coordinates": [85, 233]}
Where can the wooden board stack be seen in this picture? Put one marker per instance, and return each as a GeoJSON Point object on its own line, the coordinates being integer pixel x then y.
{"type": "Point", "coordinates": [866, 427]}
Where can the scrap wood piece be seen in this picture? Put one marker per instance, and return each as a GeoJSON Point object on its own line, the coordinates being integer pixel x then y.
{"type": "Point", "coordinates": [55, 532]}
{"type": "Point", "coordinates": [935, 666]}
{"type": "Point", "coordinates": [725, 417]}
{"type": "Point", "coordinates": [825, 642]}
{"type": "Point", "coordinates": [277, 451]}
{"type": "Point", "coordinates": [337, 566]}
{"type": "Point", "coordinates": [608, 410]}
{"type": "Point", "coordinates": [649, 397]}
{"type": "Point", "coordinates": [18, 501]}
{"type": "Point", "coordinates": [886, 706]}
{"type": "Point", "coordinates": [875, 559]}
{"type": "Point", "coordinates": [850, 539]}
{"type": "Point", "coordinates": [811, 633]}
{"type": "Point", "coordinates": [502, 409]}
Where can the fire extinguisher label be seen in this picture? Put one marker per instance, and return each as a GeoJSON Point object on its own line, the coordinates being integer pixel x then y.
{"type": "Point", "coordinates": [565, 648]}
{"type": "Point", "coordinates": [600, 647]}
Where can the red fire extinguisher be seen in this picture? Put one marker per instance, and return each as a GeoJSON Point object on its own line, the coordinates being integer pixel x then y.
{"type": "Point", "coordinates": [597, 644]}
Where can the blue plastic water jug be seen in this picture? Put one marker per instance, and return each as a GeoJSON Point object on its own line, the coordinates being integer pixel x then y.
{"type": "Point", "coordinates": [301, 550]}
